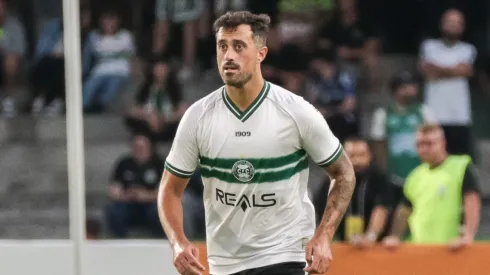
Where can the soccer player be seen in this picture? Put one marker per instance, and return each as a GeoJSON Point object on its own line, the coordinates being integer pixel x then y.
{"type": "Point", "coordinates": [251, 140]}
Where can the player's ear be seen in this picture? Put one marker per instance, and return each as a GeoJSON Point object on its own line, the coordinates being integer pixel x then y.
{"type": "Point", "coordinates": [261, 54]}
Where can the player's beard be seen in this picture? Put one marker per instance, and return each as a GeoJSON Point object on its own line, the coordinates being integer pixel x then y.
{"type": "Point", "coordinates": [239, 80]}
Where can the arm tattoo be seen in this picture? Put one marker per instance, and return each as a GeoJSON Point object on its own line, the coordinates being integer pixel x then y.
{"type": "Point", "coordinates": [340, 195]}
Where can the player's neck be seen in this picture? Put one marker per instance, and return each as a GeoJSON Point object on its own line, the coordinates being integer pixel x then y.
{"type": "Point", "coordinates": [243, 97]}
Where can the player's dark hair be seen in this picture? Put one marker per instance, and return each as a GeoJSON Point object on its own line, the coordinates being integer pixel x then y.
{"type": "Point", "coordinates": [259, 23]}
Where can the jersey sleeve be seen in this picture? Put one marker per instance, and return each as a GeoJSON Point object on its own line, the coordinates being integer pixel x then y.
{"type": "Point", "coordinates": [470, 180]}
{"type": "Point", "coordinates": [316, 137]}
{"type": "Point", "coordinates": [378, 129]}
{"type": "Point", "coordinates": [183, 157]}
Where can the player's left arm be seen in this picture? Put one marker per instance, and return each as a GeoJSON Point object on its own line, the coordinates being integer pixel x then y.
{"type": "Point", "coordinates": [325, 149]}
{"type": "Point", "coordinates": [344, 181]}
{"type": "Point", "coordinates": [471, 202]}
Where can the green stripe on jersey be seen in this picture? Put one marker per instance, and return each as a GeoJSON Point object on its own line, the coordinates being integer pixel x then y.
{"type": "Point", "coordinates": [258, 163]}
{"type": "Point", "coordinates": [257, 176]}
{"type": "Point", "coordinates": [335, 155]}
{"type": "Point", "coordinates": [177, 172]}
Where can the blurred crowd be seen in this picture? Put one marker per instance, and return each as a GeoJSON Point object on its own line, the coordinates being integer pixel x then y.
{"type": "Point", "coordinates": [330, 57]}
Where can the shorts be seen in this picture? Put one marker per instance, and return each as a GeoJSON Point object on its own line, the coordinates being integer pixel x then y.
{"type": "Point", "coordinates": [288, 268]}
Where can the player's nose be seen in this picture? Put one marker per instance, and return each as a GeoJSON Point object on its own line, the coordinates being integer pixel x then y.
{"type": "Point", "coordinates": [230, 55]}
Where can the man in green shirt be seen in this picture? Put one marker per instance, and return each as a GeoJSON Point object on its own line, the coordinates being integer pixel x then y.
{"type": "Point", "coordinates": [435, 195]}
{"type": "Point", "coordinates": [393, 130]}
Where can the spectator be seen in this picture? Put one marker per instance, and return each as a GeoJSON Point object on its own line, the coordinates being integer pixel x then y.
{"type": "Point", "coordinates": [353, 41]}
{"type": "Point", "coordinates": [133, 192]}
{"type": "Point", "coordinates": [436, 193]}
{"type": "Point", "coordinates": [447, 63]}
{"type": "Point", "coordinates": [113, 48]}
{"type": "Point", "coordinates": [371, 202]}
{"type": "Point", "coordinates": [159, 106]}
{"type": "Point", "coordinates": [394, 127]}
{"type": "Point", "coordinates": [12, 50]}
{"type": "Point", "coordinates": [174, 15]}
{"type": "Point", "coordinates": [333, 94]}
{"type": "Point", "coordinates": [48, 71]}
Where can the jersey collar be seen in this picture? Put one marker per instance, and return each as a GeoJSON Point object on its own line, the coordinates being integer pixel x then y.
{"type": "Point", "coordinates": [244, 115]}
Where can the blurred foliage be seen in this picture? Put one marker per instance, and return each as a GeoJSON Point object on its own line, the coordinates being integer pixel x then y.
{"type": "Point", "coordinates": [305, 5]}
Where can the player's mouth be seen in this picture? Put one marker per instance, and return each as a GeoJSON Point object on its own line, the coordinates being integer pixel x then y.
{"type": "Point", "coordinates": [230, 68]}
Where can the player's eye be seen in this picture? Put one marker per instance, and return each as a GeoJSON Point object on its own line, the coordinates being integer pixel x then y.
{"type": "Point", "coordinates": [222, 47]}
{"type": "Point", "coordinates": [239, 47]}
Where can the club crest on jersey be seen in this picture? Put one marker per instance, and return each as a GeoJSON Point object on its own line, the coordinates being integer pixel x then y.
{"type": "Point", "coordinates": [243, 171]}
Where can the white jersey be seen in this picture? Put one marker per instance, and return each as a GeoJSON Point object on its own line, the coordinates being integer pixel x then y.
{"type": "Point", "coordinates": [255, 173]}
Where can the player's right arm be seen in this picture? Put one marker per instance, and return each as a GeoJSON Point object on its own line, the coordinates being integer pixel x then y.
{"type": "Point", "coordinates": [179, 167]}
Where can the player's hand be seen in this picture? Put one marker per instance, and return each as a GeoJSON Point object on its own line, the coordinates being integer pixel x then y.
{"type": "Point", "coordinates": [318, 255]}
{"type": "Point", "coordinates": [460, 243]}
{"type": "Point", "coordinates": [391, 242]}
{"type": "Point", "coordinates": [186, 259]}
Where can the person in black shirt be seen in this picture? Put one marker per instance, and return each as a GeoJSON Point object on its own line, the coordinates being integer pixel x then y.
{"type": "Point", "coordinates": [365, 219]}
{"type": "Point", "coordinates": [134, 189]}
{"type": "Point", "coordinates": [354, 40]}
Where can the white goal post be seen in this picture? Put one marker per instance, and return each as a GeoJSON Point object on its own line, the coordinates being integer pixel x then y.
{"type": "Point", "coordinates": [74, 129]}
